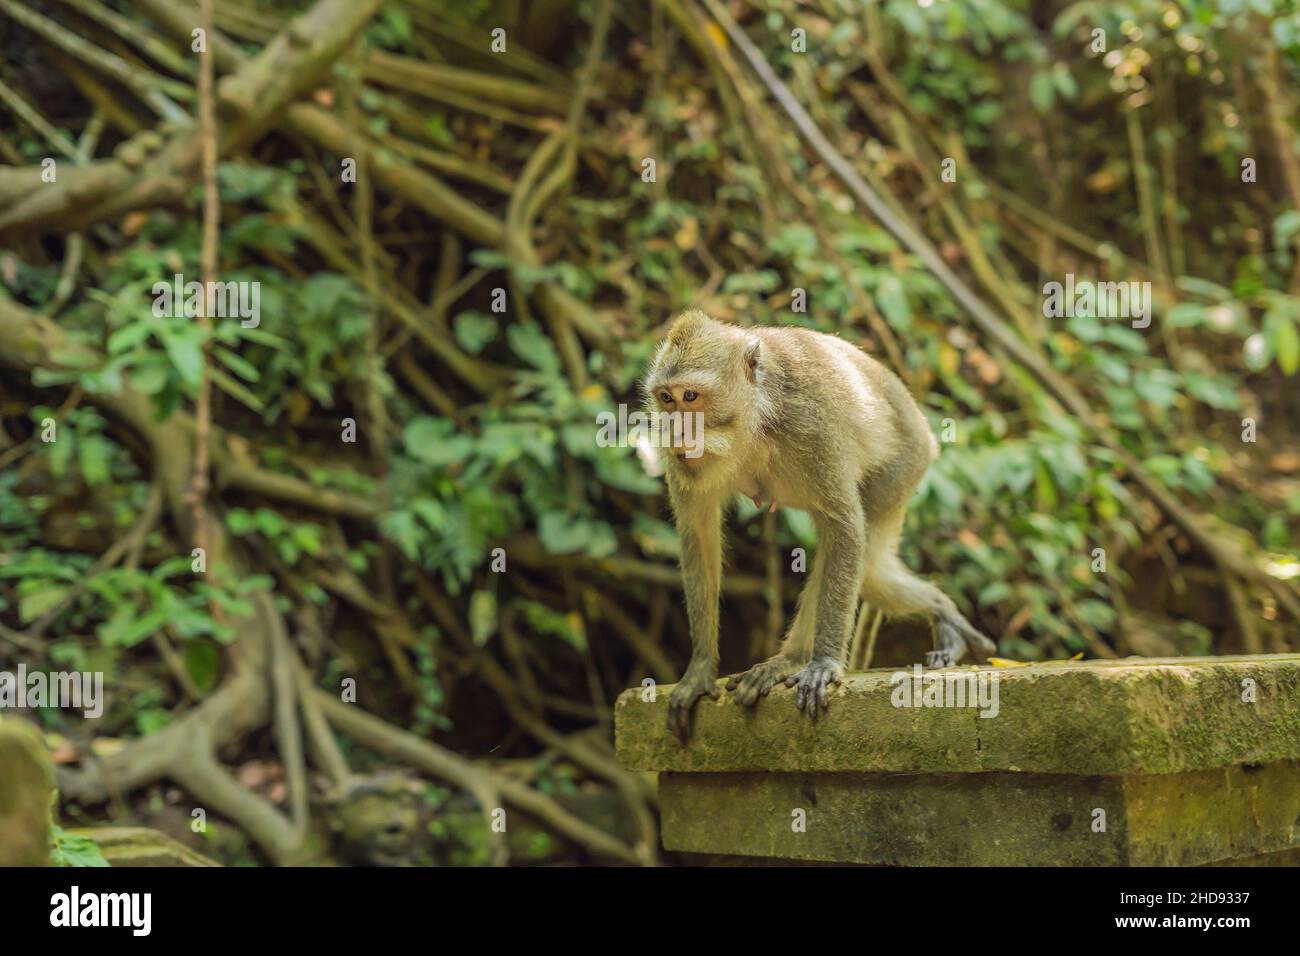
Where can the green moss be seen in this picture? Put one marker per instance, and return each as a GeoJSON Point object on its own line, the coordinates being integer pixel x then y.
{"type": "Point", "coordinates": [26, 786]}
{"type": "Point", "coordinates": [1139, 762]}
{"type": "Point", "coordinates": [141, 846]}
{"type": "Point", "coordinates": [986, 819]}
{"type": "Point", "coordinates": [1096, 717]}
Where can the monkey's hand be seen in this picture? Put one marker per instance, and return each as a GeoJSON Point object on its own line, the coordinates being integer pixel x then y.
{"type": "Point", "coordinates": [681, 702]}
{"type": "Point", "coordinates": [754, 684]}
{"type": "Point", "coordinates": [814, 683]}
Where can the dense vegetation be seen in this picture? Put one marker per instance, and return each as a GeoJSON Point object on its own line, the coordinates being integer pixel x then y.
{"type": "Point", "coordinates": [1020, 149]}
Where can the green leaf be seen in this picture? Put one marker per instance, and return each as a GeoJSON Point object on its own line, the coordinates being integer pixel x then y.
{"type": "Point", "coordinates": [150, 720]}
{"type": "Point", "coordinates": [270, 523]}
{"type": "Point", "coordinates": [202, 663]}
{"type": "Point", "coordinates": [240, 181]}
{"type": "Point", "coordinates": [474, 330]}
{"type": "Point", "coordinates": [435, 442]}
{"type": "Point", "coordinates": [529, 342]}
{"type": "Point", "coordinates": [994, 592]}
{"type": "Point", "coordinates": [94, 454]}
{"type": "Point", "coordinates": [801, 526]}
{"type": "Point", "coordinates": [482, 616]}
{"type": "Point", "coordinates": [1157, 386]}
{"type": "Point", "coordinates": [125, 629]}
{"type": "Point", "coordinates": [401, 528]}
{"type": "Point", "coordinates": [1096, 614]}
{"type": "Point", "coordinates": [236, 390]}
{"type": "Point", "coordinates": [545, 620]}
{"type": "Point", "coordinates": [1186, 315]}
{"type": "Point", "coordinates": [32, 604]}
{"type": "Point", "coordinates": [1285, 227]}
{"type": "Point", "coordinates": [562, 534]}
{"type": "Point", "coordinates": [240, 521]}
{"type": "Point", "coordinates": [1203, 288]}
{"type": "Point", "coordinates": [1064, 82]}
{"type": "Point", "coordinates": [307, 537]}
{"type": "Point", "coordinates": [184, 346]}
{"type": "Point", "coordinates": [431, 512]}
{"type": "Point", "coordinates": [239, 365]}
{"type": "Point", "coordinates": [67, 849]}
{"type": "Point", "coordinates": [128, 337]}
{"type": "Point", "coordinates": [1286, 344]}
{"type": "Point", "coordinates": [893, 302]}
{"type": "Point", "coordinates": [625, 472]}
{"type": "Point", "coordinates": [150, 373]}
{"type": "Point", "coordinates": [1042, 92]}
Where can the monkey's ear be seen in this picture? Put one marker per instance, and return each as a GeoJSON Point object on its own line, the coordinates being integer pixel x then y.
{"type": "Point", "coordinates": [753, 359]}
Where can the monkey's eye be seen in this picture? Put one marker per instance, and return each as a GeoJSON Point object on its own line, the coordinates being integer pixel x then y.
{"type": "Point", "coordinates": [690, 396]}
{"type": "Point", "coordinates": [666, 397]}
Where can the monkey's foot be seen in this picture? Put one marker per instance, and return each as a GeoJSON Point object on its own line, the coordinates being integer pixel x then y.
{"type": "Point", "coordinates": [681, 702]}
{"type": "Point", "coordinates": [944, 657]}
{"type": "Point", "coordinates": [952, 639]}
{"type": "Point", "coordinates": [949, 647]}
{"type": "Point", "coordinates": [814, 683]}
{"type": "Point", "coordinates": [761, 678]}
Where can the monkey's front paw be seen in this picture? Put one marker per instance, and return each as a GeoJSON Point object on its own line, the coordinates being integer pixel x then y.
{"type": "Point", "coordinates": [681, 702]}
{"type": "Point", "coordinates": [748, 687]}
{"type": "Point", "coordinates": [814, 683]}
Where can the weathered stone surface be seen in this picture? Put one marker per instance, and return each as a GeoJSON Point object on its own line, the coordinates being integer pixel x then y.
{"type": "Point", "coordinates": [26, 784]}
{"type": "Point", "coordinates": [1139, 715]}
{"type": "Point", "coordinates": [141, 846]}
{"type": "Point", "coordinates": [1169, 762]}
{"type": "Point", "coordinates": [986, 819]}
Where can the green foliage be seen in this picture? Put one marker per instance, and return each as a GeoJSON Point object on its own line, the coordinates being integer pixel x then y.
{"type": "Point", "coordinates": [290, 539]}
{"type": "Point", "coordinates": [1008, 518]}
{"type": "Point", "coordinates": [131, 604]}
{"type": "Point", "coordinates": [70, 849]}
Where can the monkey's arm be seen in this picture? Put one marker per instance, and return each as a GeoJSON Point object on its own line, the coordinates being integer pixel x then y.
{"type": "Point", "coordinates": [841, 536]}
{"type": "Point", "coordinates": [699, 525]}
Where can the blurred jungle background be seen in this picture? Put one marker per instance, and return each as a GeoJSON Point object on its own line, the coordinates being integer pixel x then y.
{"type": "Point", "coordinates": [1023, 141]}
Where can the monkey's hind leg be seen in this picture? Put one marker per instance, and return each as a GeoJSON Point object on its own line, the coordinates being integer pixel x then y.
{"type": "Point", "coordinates": [892, 587]}
{"type": "Point", "coordinates": [796, 650]}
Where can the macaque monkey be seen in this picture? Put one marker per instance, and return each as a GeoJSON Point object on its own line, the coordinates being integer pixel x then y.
{"type": "Point", "coordinates": [807, 420]}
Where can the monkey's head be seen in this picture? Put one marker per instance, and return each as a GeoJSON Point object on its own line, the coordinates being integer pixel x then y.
{"type": "Point", "coordinates": [706, 385]}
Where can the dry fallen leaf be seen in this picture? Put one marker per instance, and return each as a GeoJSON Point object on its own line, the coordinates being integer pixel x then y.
{"type": "Point", "coordinates": [133, 222]}
{"type": "Point", "coordinates": [106, 746]}
{"type": "Point", "coordinates": [1287, 461]}
{"type": "Point", "coordinates": [62, 750]}
{"type": "Point", "coordinates": [688, 235]}
{"type": "Point", "coordinates": [1007, 662]}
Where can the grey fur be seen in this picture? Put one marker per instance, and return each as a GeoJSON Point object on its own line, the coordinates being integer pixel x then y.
{"type": "Point", "coordinates": [820, 425]}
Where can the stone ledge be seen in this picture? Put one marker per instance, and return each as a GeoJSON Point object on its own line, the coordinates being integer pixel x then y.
{"type": "Point", "coordinates": [987, 819]}
{"type": "Point", "coordinates": [141, 846]}
{"type": "Point", "coordinates": [1087, 718]}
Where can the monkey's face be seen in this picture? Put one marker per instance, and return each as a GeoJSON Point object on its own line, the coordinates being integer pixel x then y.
{"type": "Point", "coordinates": [700, 416]}
{"type": "Point", "coordinates": [703, 391]}
{"type": "Point", "coordinates": [680, 409]}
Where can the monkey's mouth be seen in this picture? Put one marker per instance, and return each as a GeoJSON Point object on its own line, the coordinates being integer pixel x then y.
{"type": "Point", "coordinates": [690, 461]}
